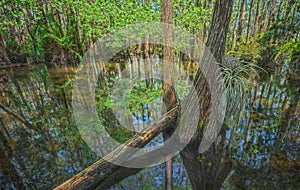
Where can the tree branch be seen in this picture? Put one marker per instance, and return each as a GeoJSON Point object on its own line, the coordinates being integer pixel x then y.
{"type": "Point", "coordinates": [104, 174]}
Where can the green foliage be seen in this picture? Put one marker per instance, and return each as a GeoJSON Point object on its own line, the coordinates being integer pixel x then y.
{"type": "Point", "coordinates": [236, 77]}
{"type": "Point", "coordinates": [288, 50]}
{"type": "Point", "coordinates": [250, 52]}
{"type": "Point", "coordinates": [41, 76]}
{"type": "Point", "coordinates": [143, 94]}
{"type": "Point", "coordinates": [142, 99]}
{"type": "Point", "coordinates": [189, 16]}
{"type": "Point", "coordinates": [71, 26]}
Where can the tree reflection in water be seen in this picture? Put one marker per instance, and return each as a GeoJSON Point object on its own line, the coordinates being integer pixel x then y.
{"type": "Point", "coordinates": [41, 146]}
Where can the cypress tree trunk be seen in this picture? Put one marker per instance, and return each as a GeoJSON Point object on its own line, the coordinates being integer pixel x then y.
{"type": "Point", "coordinates": [255, 25]}
{"type": "Point", "coordinates": [277, 20]}
{"type": "Point", "coordinates": [249, 21]}
{"type": "Point", "coordinates": [169, 97]}
{"type": "Point", "coordinates": [240, 33]}
{"type": "Point", "coordinates": [207, 170]}
{"type": "Point", "coordinates": [271, 14]}
{"type": "Point", "coordinates": [234, 28]}
{"type": "Point", "coordinates": [262, 17]}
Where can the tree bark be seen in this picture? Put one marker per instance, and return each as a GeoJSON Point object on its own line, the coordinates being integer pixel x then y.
{"type": "Point", "coordinates": [169, 97]}
{"type": "Point", "coordinates": [271, 14]}
{"type": "Point", "coordinates": [207, 170]}
{"type": "Point", "coordinates": [241, 25]}
{"type": "Point", "coordinates": [262, 17]}
{"type": "Point", "coordinates": [255, 25]}
{"type": "Point", "coordinates": [30, 31]}
{"type": "Point", "coordinates": [234, 28]}
{"type": "Point", "coordinates": [249, 21]}
{"type": "Point", "coordinates": [278, 15]}
{"type": "Point", "coordinates": [219, 28]}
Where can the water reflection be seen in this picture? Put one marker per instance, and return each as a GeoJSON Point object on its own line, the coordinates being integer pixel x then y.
{"type": "Point", "coordinates": [41, 146]}
{"type": "Point", "coordinates": [263, 144]}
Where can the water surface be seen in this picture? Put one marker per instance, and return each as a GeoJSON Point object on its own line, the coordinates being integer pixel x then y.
{"type": "Point", "coordinates": [41, 147]}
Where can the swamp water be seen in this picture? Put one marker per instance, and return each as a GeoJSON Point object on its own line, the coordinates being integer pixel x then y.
{"type": "Point", "coordinates": [41, 147]}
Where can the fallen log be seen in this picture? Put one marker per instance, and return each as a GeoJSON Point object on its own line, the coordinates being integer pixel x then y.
{"type": "Point", "coordinates": [103, 174]}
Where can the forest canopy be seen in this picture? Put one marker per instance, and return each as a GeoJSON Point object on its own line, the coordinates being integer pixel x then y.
{"type": "Point", "coordinates": [261, 32]}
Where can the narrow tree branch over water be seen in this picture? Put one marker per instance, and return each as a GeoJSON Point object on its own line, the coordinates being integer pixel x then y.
{"type": "Point", "coordinates": [18, 116]}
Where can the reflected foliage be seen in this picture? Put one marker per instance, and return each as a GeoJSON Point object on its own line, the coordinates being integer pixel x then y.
{"type": "Point", "coordinates": [37, 128]}
{"type": "Point", "coordinates": [41, 146]}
